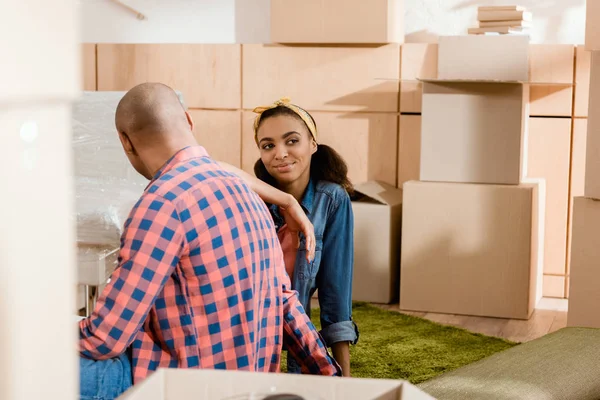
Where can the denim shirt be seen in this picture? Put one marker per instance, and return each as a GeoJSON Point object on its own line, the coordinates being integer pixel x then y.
{"type": "Point", "coordinates": [329, 209]}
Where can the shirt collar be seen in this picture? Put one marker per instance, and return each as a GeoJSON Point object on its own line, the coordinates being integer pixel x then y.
{"type": "Point", "coordinates": [183, 155]}
{"type": "Point", "coordinates": [306, 202]}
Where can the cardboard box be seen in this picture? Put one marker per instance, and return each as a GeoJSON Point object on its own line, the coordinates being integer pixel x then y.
{"type": "Point", "coordinates": [322, 78]}
{"type": "Point", "coordinates": [551, 70]}
{"type": "Point", "coordinates": [592, 25]}
{"type": "Point", "coordinates": [473, 132]}
{"type": "Point", "coordinates": [409, 149]}
{"type": "Point", "coordinates": [208, 75]}
{"type": "Point", "coordinates": [367, 141]}
{"type": "Point", "coordinates": [337, 21]}
{"type": "Point", "coordinates": [554, 286]}
{"type": "Point", "coordinates": [377, 226]}
{"type": "Point", "coordinates": [88, 66]}
{"type": "Point", "coordinates": [484, 57]}
{"type": "Point", "coordinates": [472, 249]}
{"type": "Point", "coordinates": [592, 156]}
{"type": "Point", "coordinates": [418, 61]}
{"type": "Point", "coordinates": [577, 178]}
{"type": "Point", "coordinates": [195, 384]}
{"type": "Point", "coordinates": [549, 148]}
{"type": "Point", "coordinates": [220, 132]}
{"type": "Point", "coordinates": [584, 291]}
{"type": "Point", "coordinates": [583, 60]}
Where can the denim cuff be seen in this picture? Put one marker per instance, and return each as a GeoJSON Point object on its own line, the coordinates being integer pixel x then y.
{"type": "Point", "coordinates": [345, 331]}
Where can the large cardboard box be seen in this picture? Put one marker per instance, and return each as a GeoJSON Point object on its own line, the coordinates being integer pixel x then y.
{"type": "Point", "coordinates": [551, 74]}
{"type": "Point", "coordinates": [554, 286]}
{"type": "Point", "coordinates": [584, 291]}
{"type": "Point", "coordinates": [472, 249]}
{"type": "Point", "coordinates": [88, 66]}
{"type": "Point", "coordinates": [220, 132]}
{"type": "Point", "coordinates": [320, 78]}
{"type": "Point", "coordinates": [592, 157]}
{"type": "Point", "coordinates": [195, 384]}
{"type": "Point", "coordinates": [549, 148]}
{"type": "Point", "coordinates": [418, 61]}
{"type": "Point", "coordinates": [409, 149]}
{"type": "Point", "coordinates": [367, 141]}
{"type": "Point", "coordinates": [592, 25]}
{"type": "Point", "coordinates": [577, 181]}
{"type": "Point", "coordinates": [473, 132]}
{"type": "Point", "coordinates": [337, 21]}
{"type": "Point", "coordinates": [583, 60]}
{"type": "Point", "coordinates": [377, 225]}
{"type": "Point", "coordinates": [208, 75]}
{"type": "Point", "coordinates": [484, 57]}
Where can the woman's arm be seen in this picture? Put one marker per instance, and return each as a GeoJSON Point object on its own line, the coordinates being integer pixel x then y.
{"type": "Point", "coordinates": [334, 283]}
{"type": "Point", "coordinates": [294, 215]}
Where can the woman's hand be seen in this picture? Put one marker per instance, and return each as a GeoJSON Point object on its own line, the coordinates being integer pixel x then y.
{"type": "Point", "coordinates": [297, 222]}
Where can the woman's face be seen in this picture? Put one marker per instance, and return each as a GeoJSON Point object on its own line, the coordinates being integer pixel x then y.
{"type": "Point", "coordinates": [286, 147]}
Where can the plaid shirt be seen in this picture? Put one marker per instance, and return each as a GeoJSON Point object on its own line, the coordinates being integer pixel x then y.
{"type": "Point", "coordinates": [201, 281]}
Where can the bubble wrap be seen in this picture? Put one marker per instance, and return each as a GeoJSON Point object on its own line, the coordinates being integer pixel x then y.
{"type": "Point", "coordinates": [106, 185]}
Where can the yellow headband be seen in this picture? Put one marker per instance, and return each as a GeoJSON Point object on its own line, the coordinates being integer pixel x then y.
{"type": "Point", "coordinates": [285, 102]}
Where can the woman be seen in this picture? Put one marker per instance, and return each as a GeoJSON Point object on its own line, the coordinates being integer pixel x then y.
{"type": "Point", "coordinates": [314, 174]}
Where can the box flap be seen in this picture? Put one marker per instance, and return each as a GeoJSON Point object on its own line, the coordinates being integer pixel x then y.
{"type": "Point", "coordinates": [381, 192]}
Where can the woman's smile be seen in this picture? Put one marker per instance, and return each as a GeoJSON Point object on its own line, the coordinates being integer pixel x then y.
{"type": "Point", "coordinates": [285, 167]}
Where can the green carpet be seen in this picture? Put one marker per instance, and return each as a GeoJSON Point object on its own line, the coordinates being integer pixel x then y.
{"type": "Point", "coordinates": [398, 346]}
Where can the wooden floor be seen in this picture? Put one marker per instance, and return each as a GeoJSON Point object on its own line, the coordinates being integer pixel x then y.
{"type": "Point", "coordinates": [541, 323]}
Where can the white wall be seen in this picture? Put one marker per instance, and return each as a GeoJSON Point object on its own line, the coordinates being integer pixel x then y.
{"type": "Point", "coordinates": [247, 21]}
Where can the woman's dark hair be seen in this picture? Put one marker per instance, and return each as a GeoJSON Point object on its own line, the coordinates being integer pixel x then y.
{"type": "Point", "coordinates": [325, 165]}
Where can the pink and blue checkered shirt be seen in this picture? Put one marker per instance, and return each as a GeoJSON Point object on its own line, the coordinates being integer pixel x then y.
{"type": "Point", "coordinates": [201, 281]}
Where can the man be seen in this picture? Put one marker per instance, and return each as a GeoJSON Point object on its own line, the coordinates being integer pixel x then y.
{"type": "Point", "coordinates": [201, 281]}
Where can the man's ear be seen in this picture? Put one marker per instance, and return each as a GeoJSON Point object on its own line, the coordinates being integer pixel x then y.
{"type": "Point", "coordinates": [126, 142]}
{"type": "Point", "coordinates": [190, 120]}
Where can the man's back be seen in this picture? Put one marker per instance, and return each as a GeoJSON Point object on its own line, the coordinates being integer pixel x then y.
{"type": "Point", "coordinates": [209, 242]}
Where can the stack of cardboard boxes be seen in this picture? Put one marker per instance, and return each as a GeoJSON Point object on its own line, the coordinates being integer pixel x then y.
{"type": "Point", "coordinates": [584, 296]}
{"type": "Point", "coordinates": [502, 20]}
{"type": "Point", "coordinates": [472, 228]}
{"type": "Point", "coordinates": [342, 75]}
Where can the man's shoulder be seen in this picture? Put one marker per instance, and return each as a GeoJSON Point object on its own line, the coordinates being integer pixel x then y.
{"type": "Point", "coordinates": [197, 176]}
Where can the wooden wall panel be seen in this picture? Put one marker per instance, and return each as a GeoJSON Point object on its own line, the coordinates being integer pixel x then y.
{"type": "Point", "coordinates": [88, 66]}
{"type": "Point", "coordinates": [409, 149]}
{"type": "Point", "coordinates": [549, 157]}
{"type": "Point", "coordinates": [551, 63]}
{"type": "Point", "coordinates": [418, 60]}
{"type": "Point", "coordinates": [367, 142]}
{"type": "Point", "coordinates": [324, 78]}
{"type": "Point", "coordinates": [208, 75]}
{"type": "Point", "coordinates": [582, 81]}
{"type": "Point", "coordinates": [219, 132]}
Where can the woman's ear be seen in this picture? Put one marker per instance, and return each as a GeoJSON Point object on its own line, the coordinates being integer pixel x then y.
{"type": "Point", "coordinates": [313, 146]}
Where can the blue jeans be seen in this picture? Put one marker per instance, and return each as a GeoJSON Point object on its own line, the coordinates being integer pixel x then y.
{"type": "Point", "coordinates": [293, 367]}
{"type": "Point", "coordinates": [104, 380]}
